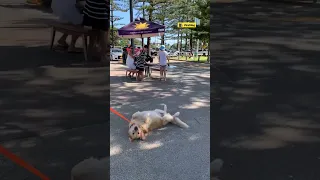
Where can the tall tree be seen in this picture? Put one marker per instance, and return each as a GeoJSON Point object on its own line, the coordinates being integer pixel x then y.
{"type": "Point", "coordinates": [116, 5]}
{"type": "Point", "coordinates": [149, 7]}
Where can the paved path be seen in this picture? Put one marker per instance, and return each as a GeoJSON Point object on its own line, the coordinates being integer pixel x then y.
{"type": "Point", "coordinates": [53, 109]}
{"type": "Point", "coordinates": [267, 124]}
{"type": "Point", "coordinates": [169, 153]}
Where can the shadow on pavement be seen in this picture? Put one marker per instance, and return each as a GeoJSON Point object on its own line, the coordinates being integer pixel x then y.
{"type": "Point", "coordinates": [267, 123]}
{"type": "Point", "coordinates": [53, 111]}
{"type": "Point", "coordinates": [187, 91]}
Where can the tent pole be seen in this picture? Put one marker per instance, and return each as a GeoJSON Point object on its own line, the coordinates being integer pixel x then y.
{"type": "Point", "coordinates": [141, 41]}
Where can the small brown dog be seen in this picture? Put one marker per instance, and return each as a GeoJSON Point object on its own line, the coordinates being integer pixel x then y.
{"type": "Point", "coordinates": [146, 121]}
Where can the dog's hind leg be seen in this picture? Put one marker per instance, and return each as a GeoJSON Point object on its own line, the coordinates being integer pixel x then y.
{"type": "Point", "coordinates": [164, 107]}
{"type": "Point", "coordinates": [180, 123]}
{"type": "Point", "coordinates": [160, 111]}
{"type": "Point", "coordinates": [177, 121]}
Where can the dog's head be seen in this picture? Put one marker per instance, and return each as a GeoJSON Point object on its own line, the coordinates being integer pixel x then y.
{"type": "Point", "coordinates": [135, 132]}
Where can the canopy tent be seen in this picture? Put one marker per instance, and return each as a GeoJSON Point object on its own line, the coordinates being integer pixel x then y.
{"type": "Point", "coordinates": [140, 28]}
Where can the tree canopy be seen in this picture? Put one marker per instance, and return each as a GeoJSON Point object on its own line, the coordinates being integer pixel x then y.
{"type": "Point", "coordinates": [169, 13]}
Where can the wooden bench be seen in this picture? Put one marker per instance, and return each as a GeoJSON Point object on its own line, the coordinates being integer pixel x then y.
{"type": "Point", "coordinates": [70, 29]}
{"type": "Point", "coordinates": [133, 71]}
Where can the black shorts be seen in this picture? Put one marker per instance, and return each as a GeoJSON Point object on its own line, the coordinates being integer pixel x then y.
{"type": "Point", "coordinates": [140, 69]}
{"type": "Point", "coordinates": [97, 24]}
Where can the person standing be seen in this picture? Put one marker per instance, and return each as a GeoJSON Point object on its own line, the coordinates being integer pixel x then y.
{"type": "Point", "coordinates": [124, 55]}
{"type": "Point", "coordinates": [96, 16]}
{"type": "Point", "coordinates": [163, 58]}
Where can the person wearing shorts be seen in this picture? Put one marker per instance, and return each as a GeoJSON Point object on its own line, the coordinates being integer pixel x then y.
{"type": "Point", "coordinates": [96, 16]}
{"type": "Point", "coordinates": [163, 58]}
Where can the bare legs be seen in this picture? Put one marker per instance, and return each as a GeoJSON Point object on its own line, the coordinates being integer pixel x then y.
{"type": "Point", "coordinates": [98, 38]}
{"type": "Point", "coordinates": [140, 75]}
{"type": "Point", "coordinates": [72, 45]}
{"type": "Point", "coordinates": [163, 73]}
{"type": "Point", "coordinates": [103, 45]}
{"type": "Point", "coordinates": [92, 43]}
{"type": "Point", "coordinates": [63, 42]}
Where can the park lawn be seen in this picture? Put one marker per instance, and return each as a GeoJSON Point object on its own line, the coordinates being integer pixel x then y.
{"type": "Point", "coordinates": [194, 59]}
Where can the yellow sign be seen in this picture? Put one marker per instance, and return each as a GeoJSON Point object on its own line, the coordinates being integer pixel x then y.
{"type": "Point", "coordinates": [187, 25]}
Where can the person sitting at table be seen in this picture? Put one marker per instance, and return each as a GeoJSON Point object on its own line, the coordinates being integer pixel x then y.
{"type": "Point", "coordinates": [130, 61]}
{"type": "Point", "coordinates": [68, 13]}
{"type": "Point", "coordinates": [140, 61]}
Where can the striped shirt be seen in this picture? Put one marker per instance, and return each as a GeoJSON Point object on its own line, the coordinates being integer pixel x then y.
{"type": "Point", "coordinates": [96, 9]}
{"type": "Point", "coordinates": [141, 59]}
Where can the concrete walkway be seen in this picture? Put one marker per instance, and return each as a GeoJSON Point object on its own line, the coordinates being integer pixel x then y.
{"type": "Point", "coordinates": [172, 152]}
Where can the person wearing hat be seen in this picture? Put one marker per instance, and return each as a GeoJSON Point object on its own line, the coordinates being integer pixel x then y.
{"type": "Point", "coordinates": [163, 58]}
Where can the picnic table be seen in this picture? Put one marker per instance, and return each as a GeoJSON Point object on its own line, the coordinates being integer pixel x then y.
{"type": "Point", "coordinates": [147, 68]}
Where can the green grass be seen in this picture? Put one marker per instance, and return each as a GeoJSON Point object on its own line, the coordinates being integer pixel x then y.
{"type": "Point", "coordinates": [194, 59]}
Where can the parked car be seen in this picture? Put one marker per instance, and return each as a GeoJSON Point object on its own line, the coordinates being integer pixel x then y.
{"type": "Point", "coordinates": [173, 53]}
{"type": "Point", "coordinates": [115, 54]}
{"type": "Point", "coordinates": [203, 52]}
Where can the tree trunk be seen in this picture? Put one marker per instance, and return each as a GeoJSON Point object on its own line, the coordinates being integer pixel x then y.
{"type": "Point", "coordinates": [208, 58]}
{"type": "Point", "coordinates": [181, 36]}
{"type": "Point", "coordinates": [178, 43]}
{"type": "Point", "coordinates": [191, 40]}
{"type": "Point", "coordinates": [150, 19]}
{"type": "Point", "coordinates": [108, 37]}
{"type": "Point", "coordinates": [162, 37]}
{"type": "Point", "coordinates": [143, 16]}
{"type": "Point", "coordinates": [186, 42]}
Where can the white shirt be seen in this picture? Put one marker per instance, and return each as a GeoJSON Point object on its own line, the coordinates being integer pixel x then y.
{"type": "Point", "coordinates": [162, 58]}
{"type": "Point", "coordinates": [130, 62]}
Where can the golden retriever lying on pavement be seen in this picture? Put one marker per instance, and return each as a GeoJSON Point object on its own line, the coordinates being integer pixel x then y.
{"type": "Point", "coordinates": [146, 121]}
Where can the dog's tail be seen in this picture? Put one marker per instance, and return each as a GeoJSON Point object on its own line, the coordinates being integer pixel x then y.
{"type": "Point", "coordinates": [177, 121]}
{"type": "Point", "coordinates": [164, 107]}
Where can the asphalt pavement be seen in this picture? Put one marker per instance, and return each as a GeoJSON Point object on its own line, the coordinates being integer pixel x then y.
{"type": "Point", "coordinates": [53, 109]}
{"type": "Point", "coordinates": [171, 152]}
{"type": "Point", "coordinates": [267, 81]}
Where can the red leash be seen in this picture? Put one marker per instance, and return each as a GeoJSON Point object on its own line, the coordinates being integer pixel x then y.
{"type": "Point", "coordinates": [22, 163]}
{"type": "Point", "coordinates": [120, 115]}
